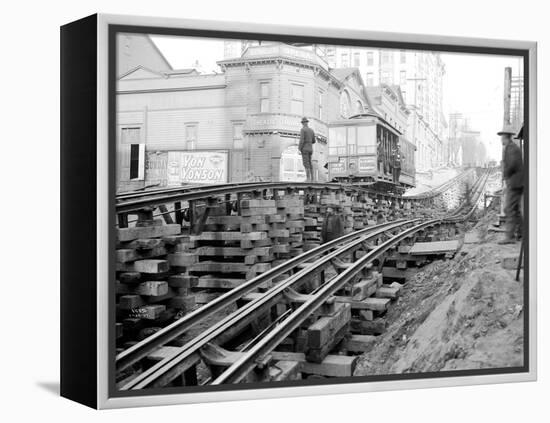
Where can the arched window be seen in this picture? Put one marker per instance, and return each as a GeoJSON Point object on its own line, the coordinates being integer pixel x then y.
{"type": "Point", "coordinates": [345, 104]}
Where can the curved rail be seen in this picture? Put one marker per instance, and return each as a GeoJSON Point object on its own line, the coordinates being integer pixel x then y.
{"type": "Point", "coordinates": [248, 361]}
{"type": "Point", "coordinates": [138, 202]}
{"type": "Point", "coordinates": [237, 371]}
{"type": "Point", "coordinates": [439, 189]}
{"type": "Point", "coordinates": [164, 371]}
{"type": "Point", "coordinates": [140, 350]}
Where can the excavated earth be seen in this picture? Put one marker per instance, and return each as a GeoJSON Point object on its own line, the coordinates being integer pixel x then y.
{"type": "Point", "coordinates": [460, 313]}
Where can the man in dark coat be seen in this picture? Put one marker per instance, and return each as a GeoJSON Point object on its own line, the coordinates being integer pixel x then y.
{"type": "Point", "coordinates": [512, 172]}
{"type": "Point", "coordinates": [396, 159]}
{"type": "Point", "coordinates": [307, 139]}
{"type": "Point", "coordinates": [333, 225]}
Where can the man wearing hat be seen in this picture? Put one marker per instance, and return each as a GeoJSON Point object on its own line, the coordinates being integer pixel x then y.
{"type": "Point", "coordinates": [512, 172]}
{"type": "Point", "coordinates": [307, 139]}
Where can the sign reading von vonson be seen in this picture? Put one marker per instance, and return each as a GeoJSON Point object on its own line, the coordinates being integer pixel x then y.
{"type": "Point", "coordinates": [197, 167]}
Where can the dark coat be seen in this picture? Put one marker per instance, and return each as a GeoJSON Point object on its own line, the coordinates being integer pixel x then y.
{"type": "Point", "coordinates": [512, 166]}
{"type": "Point", "coordinates": [332, 228]}
{"type": "Point", "coordinates": [307, 139]}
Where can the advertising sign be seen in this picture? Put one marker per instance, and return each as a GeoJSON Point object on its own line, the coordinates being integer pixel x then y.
{"type": "Point", "coordinates": [155, 168]}
{"type": "Point", "coordinates": [197, 167]}
{"type": "Point", "coordinates": [367, 164]}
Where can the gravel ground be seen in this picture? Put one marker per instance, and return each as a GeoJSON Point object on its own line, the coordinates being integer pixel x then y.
{"type": "Point", "coordinates": [461, 313]}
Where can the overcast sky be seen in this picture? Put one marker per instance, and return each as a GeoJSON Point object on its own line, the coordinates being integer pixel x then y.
{"type": "Point", "coordinates": [473, 84]}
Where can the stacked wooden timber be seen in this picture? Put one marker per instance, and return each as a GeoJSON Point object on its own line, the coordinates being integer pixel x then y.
{"type": "Point", "coordinates": [369, 299]}
{"type": "Point", "coordinates": [363, 213]}
{"type": "Point", "coordinates": [290, 220]}
{"type": "Point", "coordinates": [235, 248]}
{"type": "Point", "coordinates": [149, 292]}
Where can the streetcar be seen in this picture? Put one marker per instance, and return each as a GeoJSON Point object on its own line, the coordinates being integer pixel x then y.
{"type": "Point", "coordinates": [361, 151]}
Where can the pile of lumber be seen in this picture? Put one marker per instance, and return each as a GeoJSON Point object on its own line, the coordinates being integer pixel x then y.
{"type": "Point", "coordinates": [150, 292]}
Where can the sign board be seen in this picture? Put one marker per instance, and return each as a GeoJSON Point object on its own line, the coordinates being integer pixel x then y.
{"type": "Point", "coordinates": [282, 122]}
{"type": "Point", "coordinates": [197, 167]}
{"type": "Point", "coordinates": [155, 168]}
{"type": "Point", "coordinates": [367, 164]}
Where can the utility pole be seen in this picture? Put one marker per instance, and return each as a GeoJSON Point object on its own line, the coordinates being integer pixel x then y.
{"type": "Point", "coordinates": [507, 95]}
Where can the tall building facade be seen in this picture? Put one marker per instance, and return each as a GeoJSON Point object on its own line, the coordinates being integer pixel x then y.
{"type": "Point", "coordinates": [419, 74]}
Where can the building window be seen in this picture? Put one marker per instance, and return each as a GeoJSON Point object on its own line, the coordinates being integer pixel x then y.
{"type": "Point", "coordinates": [370, 79]}
{"type": "Point", "coordinates": [238, 135]}
{"type": "Point", "coordinates": [402, 78]}
{"type": "Point", "coordinates": [320, 115]}
{"type": "Point", "coordinates": [191, 136]}
{"type": "Point", "coordinates": [345, 62]}
{"type": "Point", "coordinates": [384, 57]}
{"type": "Point", "coordinates": [404, 93]}
{"type": "Point", "coordinates": [297, 99]}
{"type": "Point", "coordinates": [385, 77]}
{"type": "Point", "coordinates": [132, 136]}
{"type": "Point", "coordinates": [402, 56]}
{"type": "Point", "coordinates": [264, 97]}
{"type": "Point", "coordinates": [370, 58]}
{"type": "Point", "coordinates": [356, 59]}
{"type": "Point", "coordinates": [137, 162]}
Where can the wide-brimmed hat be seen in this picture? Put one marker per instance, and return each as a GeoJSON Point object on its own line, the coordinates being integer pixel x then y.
{"type": "Point", "coordinates": [507, 130]}
{"type": "Point", "coordinates": [305, 119]}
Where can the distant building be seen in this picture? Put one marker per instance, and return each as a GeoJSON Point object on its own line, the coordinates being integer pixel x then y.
{"type": "Point", "coordinates": [135, 50]}
{"type": "Point", "coordinates": [419, 74]}
{"type": "Point", "coordinates": [453, 150]}
{"type": "Point", "coordinates": [474, 152]}
{"type": "Point", "coordinates": [181, 126]}
{"type": "Point", "coordinates": [389, 103]}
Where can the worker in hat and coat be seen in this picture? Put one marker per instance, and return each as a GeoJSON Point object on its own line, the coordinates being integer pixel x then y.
{"type": "Point", "coordinates": [512, 172]}
{"type": "Point", "coordinates": [305, 147]}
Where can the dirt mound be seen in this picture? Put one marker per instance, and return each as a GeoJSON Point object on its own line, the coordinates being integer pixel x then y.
{"type": "Point", "coordinates": [463, 313]}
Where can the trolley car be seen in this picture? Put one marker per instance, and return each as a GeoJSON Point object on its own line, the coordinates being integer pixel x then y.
{"type": "Point", "coordinates": [363, 150]}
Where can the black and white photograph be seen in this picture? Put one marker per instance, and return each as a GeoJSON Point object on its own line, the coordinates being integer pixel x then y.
{"type": "Point", "coordinates": [306, 213]}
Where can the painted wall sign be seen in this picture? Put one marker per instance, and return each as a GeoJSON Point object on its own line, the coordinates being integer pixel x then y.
{"type": "Point", "coordinates": [197, 167]}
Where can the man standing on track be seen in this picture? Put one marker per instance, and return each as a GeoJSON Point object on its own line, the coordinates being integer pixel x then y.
{"type": "Point", "coordinates": [307, 139]}
{"type": "Point", "coordinates": [396, 160]}
{"type": "Point", "coordinates": [512, 172]}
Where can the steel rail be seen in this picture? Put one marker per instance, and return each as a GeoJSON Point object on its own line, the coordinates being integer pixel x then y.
{"type": "Point", "coordinates": [160, 373]}
{"type": "Point", "coordinates": [183, 188]}
{"type": "Point", "coordinates": [205, 192]}
{"type": "Point", "coordinates": [439, 189]}
{"type": "Point", "coordinates": [145, 347]}
{"type": "Point", "coordinates": [142, 349]}
{"type": "Point", "coordinates": [238, 370]}
{"type": "Point", "coordinates": [141, 200]}
{"type": "Point", "coordinates": [477, 190]}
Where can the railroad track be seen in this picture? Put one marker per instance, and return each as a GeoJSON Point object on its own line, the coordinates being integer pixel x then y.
{"type": "Point", "coordinates": [142, 349]}
{"type": "Point", "coordinates": [441, 188]}
{"type": "Point", "coordinates": [362, 248]}
{"type": "Point", "coordinates": [135, 201]}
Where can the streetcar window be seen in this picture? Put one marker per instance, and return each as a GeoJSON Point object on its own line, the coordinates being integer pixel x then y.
{"type": "Point", "coordinates": [366, 140]}
{"type": "Point", "coordinates": [352, 140]}
{"type": "Point", "coordinates": [337, 141]}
